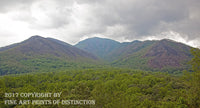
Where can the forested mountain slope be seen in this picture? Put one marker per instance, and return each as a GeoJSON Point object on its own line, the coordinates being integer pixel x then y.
{"type": "Point", "coordinates": [38, 53]}
{"type": "Point", "coordinates": [164, 55]}
{"type": "Point", "coordinates": [101, 47]}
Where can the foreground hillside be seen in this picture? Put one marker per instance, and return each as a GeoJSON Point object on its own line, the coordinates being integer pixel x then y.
{"type": "Point", "coordinates": [109, 88]}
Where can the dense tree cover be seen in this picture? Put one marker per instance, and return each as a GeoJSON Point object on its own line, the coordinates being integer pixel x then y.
{"type": "Point", "coordinates": [20, 64]}
{"type": "Point", "coordinates": [195, 80]}
{"type": "Point", "coordinates": [110, 88]}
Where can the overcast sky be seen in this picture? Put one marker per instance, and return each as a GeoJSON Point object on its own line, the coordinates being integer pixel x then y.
{"type": "Point", "coordinates": [121, 20]}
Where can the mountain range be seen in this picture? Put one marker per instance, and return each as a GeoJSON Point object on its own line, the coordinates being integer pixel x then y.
{"type": "Point", "coordinates": [47, 54]}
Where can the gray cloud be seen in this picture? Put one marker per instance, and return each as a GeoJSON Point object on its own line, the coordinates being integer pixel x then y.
{"type": "Point", "coordinates": [117, 19]}
{"type": "Point", "coordinates": [8, 5]}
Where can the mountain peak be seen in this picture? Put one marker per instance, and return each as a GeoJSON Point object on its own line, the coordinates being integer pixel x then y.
{"type": "Point", "coordinates": [100, 39]}
{"type": "Point", "coordinates": [167, 40]}
{"type": "Point", "coordinates": [95, 38]}
{"type": "Point", "coordinates": [35, 37]}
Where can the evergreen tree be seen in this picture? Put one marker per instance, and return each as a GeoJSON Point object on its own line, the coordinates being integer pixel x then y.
{"type": "Point", "coordinates": [194, 98]}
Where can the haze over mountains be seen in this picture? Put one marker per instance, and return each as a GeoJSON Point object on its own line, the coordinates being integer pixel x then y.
{"type": "Point", "coordinates": [48, 54]}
